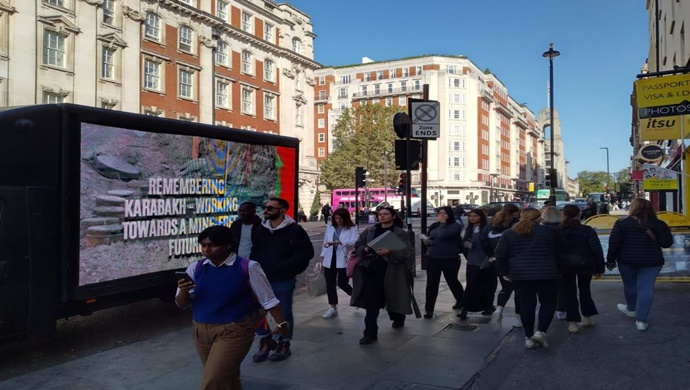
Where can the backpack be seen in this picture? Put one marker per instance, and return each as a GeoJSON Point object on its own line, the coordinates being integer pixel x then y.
{"type": "Point", "coordinates": [575, 256]}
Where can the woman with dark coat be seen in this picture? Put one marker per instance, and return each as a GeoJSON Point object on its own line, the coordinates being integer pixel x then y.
{"type": "Point", "coordinates": [481, 283]}
{"type": "Point", "coordinates": [388, 281]}
{"type": "Point", "coordinates": [635, 244]}
{"type": "Point", "coordinates": [528, 255]}
{"type": "Point", "coordinates": [490, 235]}
{"type": "Point", "coordinates": [443, 255]}
{"type": "Point", "coordinates": [583, 241]}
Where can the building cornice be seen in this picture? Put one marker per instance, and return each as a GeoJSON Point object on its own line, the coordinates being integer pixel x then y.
{"type": "Point", "coordinates": [59, 22]}
{"type": "Point", "coordinates": [111, 40]}
{"type": "Point", "coordinates": [5, 7]}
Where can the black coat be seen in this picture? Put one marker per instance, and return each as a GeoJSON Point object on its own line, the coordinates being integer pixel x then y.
{"type": "Point", "coordinates": [630, 244]}
{"type": "Point", "coordinates": [283, 253]}
{"type": "Point", "coordinates": [584, 240]}
{"type": "Point", "coordinates": [236, 230]}
{"type": "Point", "coordinates": [531, 257]}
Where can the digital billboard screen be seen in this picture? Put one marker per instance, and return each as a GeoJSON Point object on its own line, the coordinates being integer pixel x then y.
{"type": "Point", "coordinates": [145, 196]}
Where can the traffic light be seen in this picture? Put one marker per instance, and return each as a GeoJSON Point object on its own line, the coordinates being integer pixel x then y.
{"type": "Point", "coordinates": [402, 183]}
{"type": "Point", "coordinates": [360, 177]}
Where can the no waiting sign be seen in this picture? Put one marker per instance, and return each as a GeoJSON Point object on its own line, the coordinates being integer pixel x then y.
{"type": "Point", "coordinates": [426, 119]}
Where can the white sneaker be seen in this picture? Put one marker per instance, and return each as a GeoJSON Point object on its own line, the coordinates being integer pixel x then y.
{"type": "Point", "coordinates": [573, 328]}
{"type": "Point", "coordinates": [641, 326]}
{"type": "Point", "coordinates": [496, 318]}
{"type": "Point", "coordinates": [539, 337]}
{"type": "Point", "coordinates": [586, 322]}
{"type": "Point", "coordinates": [530, 344]}
{"type": "Point", "coordinates": [518, 323]}
{"type": "Point", "coordinates": [623, 308]}
{"type": "Point", "coordinates": [561, 315]}
{"type": "Point", "coordinates": [331, 312]}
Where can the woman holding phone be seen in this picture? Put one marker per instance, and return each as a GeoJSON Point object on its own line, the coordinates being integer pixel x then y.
{"type": "Point", "coordinates": [226, 292]}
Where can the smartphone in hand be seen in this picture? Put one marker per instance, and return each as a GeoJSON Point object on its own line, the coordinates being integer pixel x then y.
{"type": "Point", "coordinates": [182, 275]}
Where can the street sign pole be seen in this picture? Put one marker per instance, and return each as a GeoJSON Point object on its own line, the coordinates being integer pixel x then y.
{"type": "Point", "coordinates": [423, 179]}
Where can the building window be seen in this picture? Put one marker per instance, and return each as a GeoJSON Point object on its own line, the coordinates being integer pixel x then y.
{"type": "Point", "coordinates": [269, 107]}
{"type": "Point", "coordinates": [417, 85]}
{"type": "Point", "coordinates": [390, 88]}
{"type": "Point", "coordinates": [108, 105]}
{"type": "Point", "coordinates": [322, 95]}
{"type": "Point", "coordinates": [363, 90]}
{"type": "Point", "coordinates": [379, 75]}
{"type": "Point", "coordinates": [108, 63]}
{"type": "Point", "coordinates": [367, 76]}
{"type": "Point", "coordinates": [406, 72]}
{"type": "Point", "coordinates": [186, 85]}
{"type": "Point", "coordinates": [222, 9]}
{"type": "Point", "coordinates": [247, 62]}
{"type": "Point", "coordinates": [186, 39]}
{"type": "Point", "coordinates": [298, 115]}
{"type": "Point", "coordinates": [269, 69]}
{"type": "Point", "coordinates": [53, 48]}
{"type": "Point", "coordinates": [322, 152]}
{"type": "Point", "coordinates": [268, 32]}
{"type": "Point", "coordinates": [248, 101]}
{"type": "Point", "coordinates": [452, 69]}
{"type": "Point", "coordinates": [342, 93]}
{"type": "Point", "coordinates": [389, 101]}
{"type": "Point", "coordinates": [417, 70]}
{"type": "Point", "coordinates": [297, 45]}
{"type": "Point", "coordinates": [222, 53]}
{"type": "Point", "coordinates": [59, 3]}
{"type": "Point", "coordinates": [377, 89]}
{"type": "Point", "coordinates": [321, 108]}
{"type": "Point", "coordinates": [375, 101]}
{"type": "Point", "coordinates": [152, 26]}
{"type": "Point", "coordinates": [53, 98]}
{"type": "Point", "coordinates": [403, 86]}
{"type": "Point", "coordinates": [322, 80]}
{"type": "Point", "coordinates": [222, 94]}
{"type": "Point", "coordinates": [246, 22]}
{"type": "Point", "coordinates": [108, 11]}
{"type": "Point", "coordinates": [322, 137]}
{"type": "Point", "coordinates": [321, 124]}
{"type": "Point", "coordinates": [345, 79]}
{"type": "Point", "coordinates": [402, 101]}
{"type": "Point", "coordinates": [152, 75]}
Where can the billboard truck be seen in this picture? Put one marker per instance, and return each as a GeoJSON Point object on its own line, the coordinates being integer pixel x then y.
{"type": "Point", "coordinates": [99, 208]}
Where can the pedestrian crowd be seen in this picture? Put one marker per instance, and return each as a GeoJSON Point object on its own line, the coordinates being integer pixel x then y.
{"type": "Point", "coordinates": [546, 257]}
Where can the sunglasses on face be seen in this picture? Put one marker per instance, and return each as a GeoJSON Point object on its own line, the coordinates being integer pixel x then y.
{"type": "Point", "coordinates": [271, 208]}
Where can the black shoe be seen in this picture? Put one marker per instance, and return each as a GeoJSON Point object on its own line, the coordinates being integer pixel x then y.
{"type": "Point", "coordinates": [397, 324]}
{"type": "Point", "coordinates": [367, 340]}
{"type": "Point", "coordinates": [462, 315]}
{"type": "Point", "coordinates": [457, 306]}
{"type": "Point", "coordinates": [429, 314]}
{"type": "Point", "coordinates": [489, 311]}
{"type": "Point", "coordinates": [265, 347]}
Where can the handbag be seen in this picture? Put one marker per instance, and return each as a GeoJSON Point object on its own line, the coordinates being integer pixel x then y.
{"type": "Point", "coordinates": [368, 263]}
{"type": "Point", "coordinates": [316, 281]}
{"type": "Point", "coordinates": [351, 263]}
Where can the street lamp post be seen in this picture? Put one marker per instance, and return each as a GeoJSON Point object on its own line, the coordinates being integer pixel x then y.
{"type": "Point", "coordinates": [551, 54]}
{"type": "Point", "coordinates": [491, 187]}
{"type": "Point", "coordinates": [608, 173]}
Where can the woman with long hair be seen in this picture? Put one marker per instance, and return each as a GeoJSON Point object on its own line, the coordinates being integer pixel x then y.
{"type": "Point", "coordinates": [386, 280]}
{"type": "Point", "coordinates": [443, 257]}
{"type": "Point", "coordinates": [338, 241]}
{"type": "Point", "coordinates": [528, 255]}
{"type": "Point", "coordinates": [502, 221]}
{"type": "Point", "coordinates": [479, 293]}
{"type": "Point", "coordinates": [582, 241]}
{"type": "Point", "coordinates": [635, 245]}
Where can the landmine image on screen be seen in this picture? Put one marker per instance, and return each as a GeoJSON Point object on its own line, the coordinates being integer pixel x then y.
{"type": "Point", "coordinates": [145, 196]}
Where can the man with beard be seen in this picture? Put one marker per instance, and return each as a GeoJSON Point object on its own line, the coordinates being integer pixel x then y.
{"type": "Point", "coordinates": [283, 251]}
{"type": "Point", "coordinates": [244, 229]}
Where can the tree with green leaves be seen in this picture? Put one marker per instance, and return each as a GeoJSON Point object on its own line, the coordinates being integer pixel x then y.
{"type": "Point", "coordinates": [363, 136]}
{"type": "Point", "coordinates": [590, 181]}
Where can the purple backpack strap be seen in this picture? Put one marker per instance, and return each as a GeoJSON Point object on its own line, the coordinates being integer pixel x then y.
{"type": "Point", "coordinates": [244, 263]}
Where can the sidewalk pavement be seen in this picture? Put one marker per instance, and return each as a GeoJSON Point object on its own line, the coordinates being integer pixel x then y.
{"type": "Point", "coordinates": [439, 353]}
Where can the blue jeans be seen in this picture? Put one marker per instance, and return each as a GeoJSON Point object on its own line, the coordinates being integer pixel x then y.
{"type": "Point", "coordinates": [284, 290]}
{"type": "Point", "coordinates": [638, 287]}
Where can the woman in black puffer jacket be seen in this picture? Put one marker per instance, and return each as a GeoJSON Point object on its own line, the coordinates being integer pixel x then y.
{"type": "Point", "coordinates": [635, 244]}
{"type": "Point", "coordinates": [583, 242]}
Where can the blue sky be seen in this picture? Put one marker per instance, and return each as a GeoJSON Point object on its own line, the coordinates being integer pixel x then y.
{"type": "Point", "coordinates": [603, 45]}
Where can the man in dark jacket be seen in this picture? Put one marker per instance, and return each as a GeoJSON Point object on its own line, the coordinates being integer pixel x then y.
{"type": "Point", "coordinates": [245, 228]}
{"type": "Point", "coordinates": [284, 252]}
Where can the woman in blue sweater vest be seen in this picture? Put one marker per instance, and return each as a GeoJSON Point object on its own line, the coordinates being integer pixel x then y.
{"type": "Point", "coordinates": [225, 292]}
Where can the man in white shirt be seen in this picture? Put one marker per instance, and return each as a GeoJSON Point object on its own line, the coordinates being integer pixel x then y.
{"type": "Point", "coordinates": [245, 227]}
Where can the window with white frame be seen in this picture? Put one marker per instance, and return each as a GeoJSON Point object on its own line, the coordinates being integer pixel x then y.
{"type": "Point", "coordinates": [298, 115]}
{"type": "Point", "coordinates": [222, 9]}
{"type": "Point", "coordinates": [403, 86]}
{"type": "Point", "coordinates": [222, 93]}
{"type": "Point", "coordinates": [321, 108]}
{"type": "Point", "coordinates": [417, 85]}
{"type": "Point", "coordinates": [406, 72]}
{"type": "Point", "coordinates": [402, 100]}
{"type": "Point", "coordinates": [321, 123]}
{"type": "Point", "coordinates": [152, 75]}
{"type": "Point", "coordinates": [375, 101]}
{"type": "Point", "coordinates": [247, 101]}
{"type": "Point", "coordinates": [322, 152]}
{"type": "Point", "coordinates": [59, 3]}
{"type": "Point", "coordinates": [247, 62]}
{"type": "Point", "coordinates": [345, 79]}
{"type": "Point", "coordinates": [269, 106]}
{"type": "Point", "coordinates": [377, 89]}
{"type": "Point", "coordinates": [322, 80]}
{"type": "Point", "coordinates": [269, 71]}
{"type": "Point", "coordinates": [379, 75]}
{"type": "Point", "coordinates": [52, 98]}
{"type": "Point", "coordinates": [452, 69]}
{"type": "Point", "coordinates": [108, 63]}
{"type": "Point", "coordinates": [391, 73]}
{"type": "Point", "coordinates": [186, 39]}
{"type": "Point", "coordinates": [322, 137]}
{"type": "Point", "coordinates": [417, 70]}
{"type": "Point", "coordinates": [322, 95]}
{"type": "Point", "coordinates": [186, 84]}
{"type": "Point", "coordinates": [152, 26]}
{"type": "Point", "coordinates": [54, 48]}
{"type": "Point", "coordinates": [108, 7]}
{"type": "Point", "coordinates": [390, 88]}
{"type": "Point", "coordinates": [389, 101]}
{"type": "Point", "coordinates": [297, 45]}
{"type": "Point", "coordinates": [268, 32]}
{"type": "Point", "coordinates": [342, 106]}
{"type": "Point", "coordinates": [222, 57]}
{"type": "Point", "coordinates": [363, 90]}
{"type": "Point", "coordinates": [342, 93]}
{"type": "Point", "coordinates": [367, 76]}
{"type": "Point", "coordinates": [246, 22]}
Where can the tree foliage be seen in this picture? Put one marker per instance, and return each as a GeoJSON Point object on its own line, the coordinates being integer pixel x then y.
{"type": "Point", "coordinates": [590, 181]}
{"type": "Point", "coordinates": [363, 136]}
